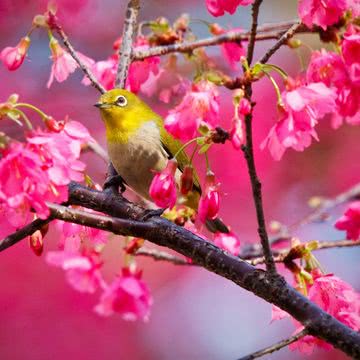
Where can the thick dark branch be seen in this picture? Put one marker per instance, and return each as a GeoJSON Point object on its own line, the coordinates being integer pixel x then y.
{"type": "Point", "coordinates": [54, 25]}
{"type": "Point", "coordinates": [249, 153]}
{"type": "Point", "coordinates": [276, 347]}
{"type": "Point", "coordinates": [127, 42]}
{"type": "Point", "coordinates": [283, 40]}
{"type": "Point", "coordinates": [271, 287]}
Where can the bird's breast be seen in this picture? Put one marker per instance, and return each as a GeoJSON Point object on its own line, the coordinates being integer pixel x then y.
{"type": "Point", "coordinates": [137, 159]}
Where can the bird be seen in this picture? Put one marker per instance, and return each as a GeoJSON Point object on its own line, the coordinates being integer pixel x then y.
{"type": "Point", "coordinates": [139, 146]}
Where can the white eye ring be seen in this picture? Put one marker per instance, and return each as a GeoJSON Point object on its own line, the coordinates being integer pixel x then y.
{"type": "Point", "coordinates": [121, 101]}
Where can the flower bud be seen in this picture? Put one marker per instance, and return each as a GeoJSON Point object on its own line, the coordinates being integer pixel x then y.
{"type": "Point", "coordinates": [36, 242]}
{"type": "Point", "coordinates": [13, 57]}
{"type": "Point", "coordinates": [209, 201]}
{"type": "Point", "coordinates": [237, 135]}
{"type": "Point", "coordinates": [244, 107]}
{"type": "Point", "coordinates": [163, 187]}
{"type": "Point", "coordinates": [186, 180]}
{"type": "Point", "coordinates": [54, 125]}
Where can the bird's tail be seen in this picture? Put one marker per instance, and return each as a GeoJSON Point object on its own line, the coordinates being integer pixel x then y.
{"type": "Point", "coordinates": [216, 225]}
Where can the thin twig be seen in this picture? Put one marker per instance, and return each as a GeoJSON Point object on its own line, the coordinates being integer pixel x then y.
{"type": "Point", "coordinates": [162, 256]}
{"type": "Point", "coordinates": [72, 52]}
{"type": "Point", "coordinates": [281, 255]}
{"type": "Point", "coordinates": [249, 154]}
{"type": "Point", "coordinates": [283, 40]}
{"type": "Point", "coordinates": [127, 43]}
{"type": "Point", "coordinates": [276, 347]}
{"type": "Point", "coordinates": [255, 15]}
{"type": "Point", "coordinates": [327, 205]}
{"type": "Point", "coordinates": [22, 233]}
{"type": "Point", "coordinates": [97, 149]}
{"type": "Point", "coordinates": [265, 32]}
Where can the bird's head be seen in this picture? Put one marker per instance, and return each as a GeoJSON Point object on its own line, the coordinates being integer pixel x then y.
{"type": "Point", "coordinates": [117, 101]}
{"type": "Point", "coordinates": [122, 111]}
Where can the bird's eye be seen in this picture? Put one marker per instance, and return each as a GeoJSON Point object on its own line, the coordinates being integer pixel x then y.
{"type": "Point", "coordinates": [121, 101]}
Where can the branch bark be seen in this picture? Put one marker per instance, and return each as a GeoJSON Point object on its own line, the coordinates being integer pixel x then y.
{"type": "Point", "coordinates": [127, 42]}
{"type": "Point", "coordinates": [276, 347]}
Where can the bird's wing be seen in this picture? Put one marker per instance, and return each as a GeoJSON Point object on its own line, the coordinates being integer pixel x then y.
{"type": "Point", "coordinates": [172, 146]}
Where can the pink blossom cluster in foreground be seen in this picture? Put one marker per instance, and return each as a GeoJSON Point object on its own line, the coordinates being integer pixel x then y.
{"type": "Point", "coordinates": [219, 7]}
{"type": "Point", "coordinates": [38, 171]}
{"type": "Point", "coordinates": [334, 296]}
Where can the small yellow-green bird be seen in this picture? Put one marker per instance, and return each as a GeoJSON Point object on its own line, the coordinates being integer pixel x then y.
{"type": "Point", "coordinates": [138, 145]}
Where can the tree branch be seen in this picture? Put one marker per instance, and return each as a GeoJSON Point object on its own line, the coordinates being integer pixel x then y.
{"type": "Point", "coordinates": [283, 40]}
{"type": "Point", "coordinates": [271, 287]}
{"type": "Point", "coordinates": [249, 153]}
{"type": "Point", "coordinates": [127, 42]}
{"type": "Point", "coordinates": [276, 347]}
{"type": "Point", "coordinates": [55, 26]}
{"type": "Point", "coordinates": [162, 256]}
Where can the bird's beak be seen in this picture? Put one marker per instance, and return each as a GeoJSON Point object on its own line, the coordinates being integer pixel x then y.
{"type": "Point", "coordinates": [99, 105]}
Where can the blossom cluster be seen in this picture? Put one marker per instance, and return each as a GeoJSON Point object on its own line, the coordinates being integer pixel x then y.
{"type": "Point", "coordinates": [38, 171]}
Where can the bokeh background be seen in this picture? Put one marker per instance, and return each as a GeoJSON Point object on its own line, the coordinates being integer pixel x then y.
{"type": "Point", "coordinates": [196, 315]}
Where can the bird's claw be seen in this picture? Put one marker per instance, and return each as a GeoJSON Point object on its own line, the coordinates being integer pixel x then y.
{"type": "Point", "coordinates": [115, 180]}
{"type": "Point", "coordinates": [151, 213]}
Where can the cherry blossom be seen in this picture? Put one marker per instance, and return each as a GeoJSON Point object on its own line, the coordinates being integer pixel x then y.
{"type": "Point", "coordinates": [321, 12]}
{"type": "Point", "coordinates": [13, 57]}
{"type": "Point", "coordinates": [163, 187]}
{"type": "Point", "coordinates": [63, 63]}
{"type": "Point", "coordinates": [219, 7]}
{"type": "Point", "coordinates": [232, 51]}
{"type": "Point", "coordinates": [350, 221]}
{"type": "Point", "coordinates": [302, 107]}
{"type": "Point", "coordinates": [229, 242]}
{"type": "Point", "coordinates": [82, 271]}
{"type": "Point", "coordinates": [127, 295]}
{"type": "Point", "coordinates": [199, 106]}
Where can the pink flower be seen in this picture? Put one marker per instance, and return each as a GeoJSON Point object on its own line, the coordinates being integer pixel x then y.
{"type": "Point", "coordinates": [321, 12]}
{"type": "Point", "coordinates": [199, 106]}
{"type": "Point", "coordinates": [229, 242]}
{"type": "Point", "coordinates": [61, 150]}
{"type": "Point", "coordinates": [23, 185]}
{"type": "Point", "coordinates": [219, 7]}
{"type": "Point", "coordinates": [302, 108]}
{"type": "Point", "coordinates": [63, 63]}
{"type": "Point", "coordinates": [350, 221]}
{"type": "Point", "coordinates": [128, 295]}
{"type": "Point", "coordinates": [13, 57]}
{"type": "Point", "coordinates": [163, 186]}
{"type": "Point", "coordinates": [350, 46]}
{"type": "Point", "coordinates": [331, 69]}
{"type": "Point", "coordinates": [232, 51]}
{"type": "Point", "coordinates": [210, 200]}
{"type": "Point", "coordinates": [244, 107]}
{"type": "Point", "coordinates": [82, 271]}
{"type": "Point", "coordinates": [105, 72]}
{"type": "Point", "coordinates": [73, 235]}
{"type": "Point", "coordinates": [338, 299]}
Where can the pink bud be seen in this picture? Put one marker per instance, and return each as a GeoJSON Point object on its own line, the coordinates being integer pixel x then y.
{"type": "Point", "coordinates": [163, 187]}
{"type": "Point", "coordinates": [36, 242]}
{"type": "Point", "coordinates": [209, 201]}
{"type": "Point", "coordinates": [13, 57]}
{"type": "Point", "coordinates": [244, 107]}
{"type": "Point", "coordinates": [237, 135]}
{"type": "Point", "coordinates": [186, 180]}
{"type": "Point", "coordinates": [54, 125]}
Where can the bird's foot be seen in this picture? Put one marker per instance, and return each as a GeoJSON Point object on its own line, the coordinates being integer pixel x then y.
{"type": "Point", "coordinates": [148, 214]}
{"type": "Point", "coordinates": [115, 180]}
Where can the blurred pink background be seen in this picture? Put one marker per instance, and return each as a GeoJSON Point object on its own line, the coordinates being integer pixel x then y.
{"type": "Point", "coordinates": [196, 315]}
